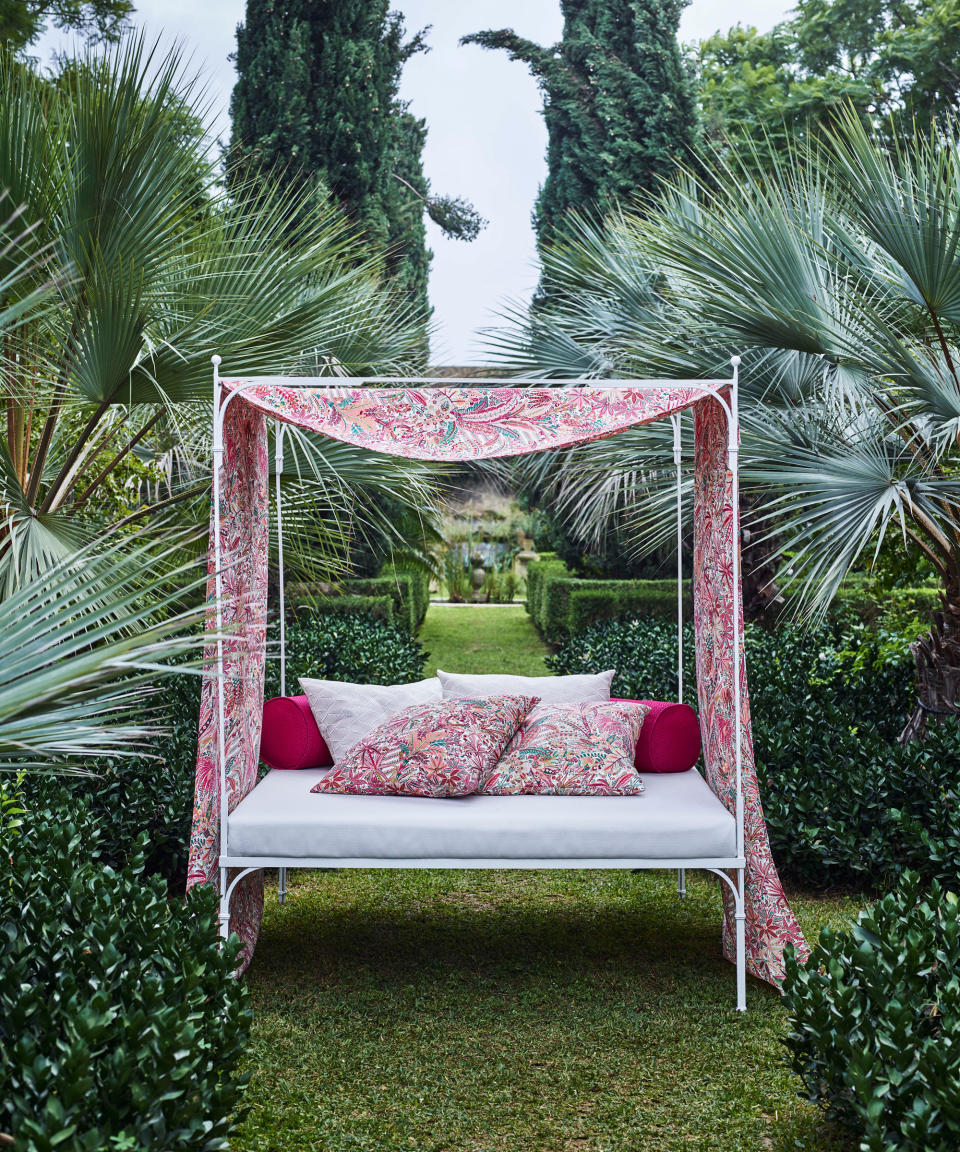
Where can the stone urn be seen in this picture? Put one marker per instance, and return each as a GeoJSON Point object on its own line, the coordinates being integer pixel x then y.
{"type": "Point", "coordinates": [522, 560]}
{"type": "Point", "coordinates": [478, 573]}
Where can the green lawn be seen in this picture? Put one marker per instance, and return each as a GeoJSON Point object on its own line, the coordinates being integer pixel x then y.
{"type": "Point", "coordinates": [513, 1011]}
{"type": "Point", "coordinates": [482, 638]}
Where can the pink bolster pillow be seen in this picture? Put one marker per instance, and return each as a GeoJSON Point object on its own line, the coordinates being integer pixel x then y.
{"type": "Point", "coordinates": [669, 740]}
{"type": "Point", "coordinates": [291, 738]}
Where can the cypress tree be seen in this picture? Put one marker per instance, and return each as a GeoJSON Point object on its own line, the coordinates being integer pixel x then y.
{"type": "Point", "coordinates": [618, 102]}
{"type": "Point", "coordinates": [316, 96]}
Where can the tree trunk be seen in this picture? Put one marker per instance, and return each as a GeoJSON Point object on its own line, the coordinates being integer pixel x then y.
{"type": "Point", "coordinates": [937, 658]}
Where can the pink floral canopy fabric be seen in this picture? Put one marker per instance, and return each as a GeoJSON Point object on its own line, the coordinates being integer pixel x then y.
{"type": "Point", "coordinates": [455, 424]}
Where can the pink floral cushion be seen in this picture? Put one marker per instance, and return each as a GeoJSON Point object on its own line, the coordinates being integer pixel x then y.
{"type": "Point", "coordinates": [572, 750]}
{"type": "Point", "coordinates": [439, 749]}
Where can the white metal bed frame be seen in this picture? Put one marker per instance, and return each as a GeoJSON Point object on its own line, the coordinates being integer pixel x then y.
{"type": "Point", "coordinates": [722, 867]}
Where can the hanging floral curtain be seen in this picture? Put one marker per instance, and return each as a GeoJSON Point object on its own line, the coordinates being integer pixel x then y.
{"type": "Point", "coordinates": [455, 424]}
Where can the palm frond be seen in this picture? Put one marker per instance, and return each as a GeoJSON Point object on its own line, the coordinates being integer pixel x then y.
{"type": "Point", "coordinates": [83, 647]}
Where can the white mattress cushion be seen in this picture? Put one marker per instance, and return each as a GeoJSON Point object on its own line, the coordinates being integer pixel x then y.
{"type": "Point", "coordinates": [345, 713]}
{"type": "Point", "coordinates": [586, 688]}
{"type": "Point", "coordinates": [677, 817]}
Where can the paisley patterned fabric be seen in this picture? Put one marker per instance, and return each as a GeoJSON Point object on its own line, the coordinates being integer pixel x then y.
{"type": "Point", "coordinates": [441, 749]}
{"type": "Point", "coordinates": [770, 922]}
{"type": "Point", "coordinates": [244, 544]}
{"type": "Point", "coordinates": [464, 424]}
{"type": "Point", "coordinates": [572, 750]}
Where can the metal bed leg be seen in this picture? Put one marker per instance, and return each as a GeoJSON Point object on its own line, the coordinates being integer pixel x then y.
{"type": "Point", "coordinates": [282, 886]}
{"type": "Point", "coordinates": [224, 904]}
{"type": "Point", "coordinates": [741, 918]}
{"type": "Point", "coordinates": [682, 883]}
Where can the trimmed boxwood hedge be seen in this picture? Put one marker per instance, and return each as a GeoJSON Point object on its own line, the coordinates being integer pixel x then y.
{"type": "Point", "coordinates": [537, 574]}
{"type": "Point", "coordinates": [397, 596]}
{"type": "Point", "coordinates": [354, 648]}
{"type": "Point", "coordinates": [844, 803]}
{"type": "Point", "coordinates": [875, 1022]}
{"type": "Point", "coordinates": [413, 582]}
{"type": "Point", "coordinates": [857, 601]}
{"type": "Point", "coordinates": [561, 604]}
{"type": "Point", "coordinates": [121, 1024]}
{"type": "Point", "coordinates": [309, 600]}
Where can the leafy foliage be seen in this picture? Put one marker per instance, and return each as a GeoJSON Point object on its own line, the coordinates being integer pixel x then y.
{"type": "Point", "coordinates": [24, 21]}
{"type": "Point", "coordinates": [147, 796]}
{"type": "Point", "coordinates": [892, 60]}
{"type": "Point", "coordinates": [121, 1024]}
{"type": "Point", "coordinates": [844, 802]}
{"type": "Point", "coordinates": [355, 648]}
{"type": "Point", "coordinates": [617, 102]}
{"type": "Point", "coordinates": [84, 647]}
{"type": "Point", "coordinates": [875, 1021]}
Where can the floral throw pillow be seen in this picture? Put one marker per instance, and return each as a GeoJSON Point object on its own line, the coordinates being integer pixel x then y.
{"type": "Point", "coordinates": [572, 750]}
{"type": "Point", "coordinates": [440, 749]}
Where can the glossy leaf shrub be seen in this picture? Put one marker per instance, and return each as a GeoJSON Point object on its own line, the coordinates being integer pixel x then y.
{"type": "Point", "coordinates": [121, 1024]}
{"type": "Point", "coordinates": [357, 649]}
{"type": "Point", "coordinates": [151, 794]}
{"type": "Point", "coordinates": [844, 803]}
{"type": "Point", "coordinates": [875, 1022]}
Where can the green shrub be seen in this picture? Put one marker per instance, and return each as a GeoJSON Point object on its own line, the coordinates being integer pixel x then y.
{"type": "Point", "coordinates": [562, 605]}
{"type": "Point", "coordinates": [358, 649]}
{"type": "Point", "coordinates": [121, 1025]}
{"type": "Point", "coordinates": [311, 600]}
{"type": "Point", "coordinates": [415, 579]}
{"type": "Point", "coordinates": [844, 803]}
{"type": "Point", "coordinates": [537, 573]}
{"type": "Point", "coordinates": [128, 796]}
{"type": "Point", "coordinates": [860, 601]}
{"type": "Point", "coordinates": [609, 600]}
{"type": "Point", "coordinates": [875, 1022]}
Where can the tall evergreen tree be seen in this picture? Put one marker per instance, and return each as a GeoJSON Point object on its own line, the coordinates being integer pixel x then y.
{"type": "Point", "coordinates": [317, 96]}
{"type": "Point", "coordinates": [617, 102]}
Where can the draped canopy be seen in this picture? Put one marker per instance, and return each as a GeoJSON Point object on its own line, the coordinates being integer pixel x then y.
{"type": "Point", "coordinates": [472, 423]}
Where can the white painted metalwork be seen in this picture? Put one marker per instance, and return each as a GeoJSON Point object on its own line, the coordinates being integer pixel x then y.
{"type": "Point", "coordinates": [675, 420]}
{"type": "Point", "coordinates": [278, 471]}
{"type": "Point", "coordinates": [243, 866]}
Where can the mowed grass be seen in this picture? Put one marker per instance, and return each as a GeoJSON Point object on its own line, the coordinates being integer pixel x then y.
{"type": "Point", "coordinates": [482, 638]}
{"type": "Point", "coordinates": [498, 1011]}
{"type": "Point", "coordinates": [564, 1011]}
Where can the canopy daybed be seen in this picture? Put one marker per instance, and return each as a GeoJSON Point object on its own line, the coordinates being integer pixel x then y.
{"type": "Point", "coordinates": [683, 821]}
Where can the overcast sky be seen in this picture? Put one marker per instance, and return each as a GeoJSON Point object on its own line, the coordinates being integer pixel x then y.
{"type": "Point", "coordinates": [487, 139]}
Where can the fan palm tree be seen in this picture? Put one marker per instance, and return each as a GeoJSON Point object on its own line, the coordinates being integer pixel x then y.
{"type": "Point", "coordinates": [153, 267]}
{"type": "Point", "coordinates": [84, 645]}
{"type": "Point", "coordinates": [838, 279]}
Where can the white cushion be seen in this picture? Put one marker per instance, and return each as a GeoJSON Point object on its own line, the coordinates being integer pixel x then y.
{"type": "Point", "coordinates": [677, 817]}
{"type": "Point", "coordinates": [345, 713]}
{"type": "Point", "coordinates": [590, 688]}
